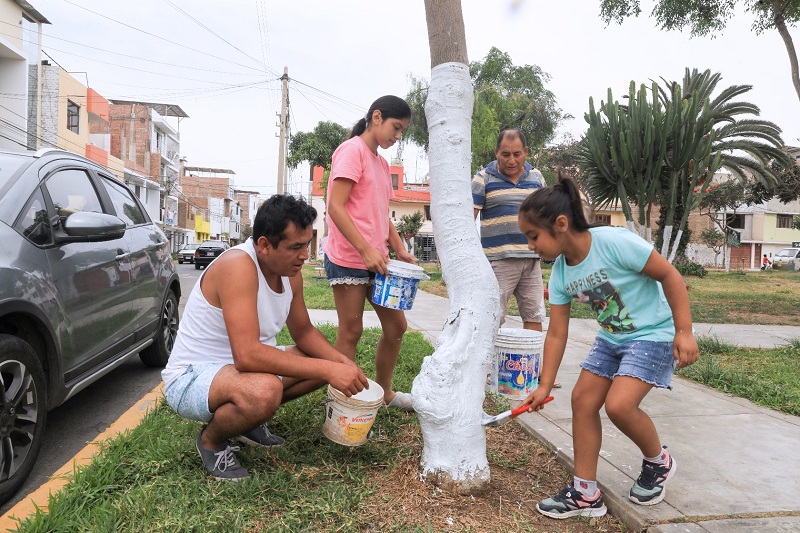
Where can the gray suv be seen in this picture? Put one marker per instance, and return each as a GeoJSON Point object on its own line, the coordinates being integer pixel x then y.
{"type": "Point", "coordinates": [86, 282]}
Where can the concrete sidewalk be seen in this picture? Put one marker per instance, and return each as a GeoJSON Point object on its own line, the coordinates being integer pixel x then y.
{"type": "Point", "coordinates": [737, 468]}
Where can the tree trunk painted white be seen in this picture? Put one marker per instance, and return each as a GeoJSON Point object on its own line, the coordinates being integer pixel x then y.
{"type": "Point", "coordinates": [449, 390]}
{"type": "Point", "coordinates": [667, 236]}
{"type": "Point", "coordinates": [675, 244]}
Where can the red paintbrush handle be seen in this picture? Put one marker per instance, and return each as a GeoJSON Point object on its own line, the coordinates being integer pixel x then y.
{"type": "Point", "coordinates": [523, 408]}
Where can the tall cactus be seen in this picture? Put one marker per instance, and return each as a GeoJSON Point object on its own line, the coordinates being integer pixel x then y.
{"type": "Point", "coordinates": [623, 152]}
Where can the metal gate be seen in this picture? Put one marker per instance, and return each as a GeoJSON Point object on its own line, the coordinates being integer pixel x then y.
{"type": "Point", "coordinates": [425, 248]}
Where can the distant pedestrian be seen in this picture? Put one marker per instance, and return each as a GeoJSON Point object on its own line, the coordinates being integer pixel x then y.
{"type": "Point", "coordinates": [766, 264]}
{"type": "Point", "coordinates": [642, 306]}
{"type": "Point", "coordinates": [360, 234]}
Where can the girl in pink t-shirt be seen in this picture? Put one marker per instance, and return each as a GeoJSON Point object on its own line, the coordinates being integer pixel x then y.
{"type": "Point", "coordinates": [359, 190]}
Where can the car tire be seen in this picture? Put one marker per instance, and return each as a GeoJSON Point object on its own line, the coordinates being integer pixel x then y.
{"type": "Point", "coordinates": [197, 266]}
{"type": "Point", "coordinates": [157, 354]}
{"type": "Point", "coordinates": [23, 412]}
{"type": "Point", "coordinates": [180, 261]}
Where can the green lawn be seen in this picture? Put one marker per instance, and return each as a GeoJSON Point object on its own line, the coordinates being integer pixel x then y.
{"type": "Point", "coordinates": [150, 479]}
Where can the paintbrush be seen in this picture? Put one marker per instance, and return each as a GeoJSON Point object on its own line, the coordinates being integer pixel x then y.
{"type": "Point", "coordinates": [502, 418]}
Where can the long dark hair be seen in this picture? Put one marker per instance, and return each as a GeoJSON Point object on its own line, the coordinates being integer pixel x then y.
{"type": "Point", "coordinates": [390, 106]}
{"type": "Point", "coordinates": [543, 207]}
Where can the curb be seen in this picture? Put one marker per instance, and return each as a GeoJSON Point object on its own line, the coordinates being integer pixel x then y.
{"type": "Point", "coordinates": [40, 498]}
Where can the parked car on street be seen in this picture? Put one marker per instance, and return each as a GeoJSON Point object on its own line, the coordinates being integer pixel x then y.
{"type": "Point", "coordinates": [207, 252]}
{"type": "Point", "coordinates": [86, 282]}
{"type": "Point", "coordinates": [787, 259]}
{"type": "Point", "coordinates": [186, 254]}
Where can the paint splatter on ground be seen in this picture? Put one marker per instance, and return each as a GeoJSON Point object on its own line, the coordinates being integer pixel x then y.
{"type": "Point", "coordinates": [523, 473]}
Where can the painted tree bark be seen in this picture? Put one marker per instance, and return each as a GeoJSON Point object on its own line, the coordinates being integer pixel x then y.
{"type": "Point", "coordinates": [448, 393]}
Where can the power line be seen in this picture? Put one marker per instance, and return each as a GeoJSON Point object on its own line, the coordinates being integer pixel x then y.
{"type": "Point", "coordinates": [159, 37]}
{"type": "Point", "coordinates": [218, 36]}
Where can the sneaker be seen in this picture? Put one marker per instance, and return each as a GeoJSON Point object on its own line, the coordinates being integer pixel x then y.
{"type": "Point", "coordinates": [222, 463]}
{"type": "Point", "coordinates": [649, 488]}
{"type": "Point", "coordinates": [571, 502]}
{"type": "Point", "coordinates": [260, 436]}
{"type": "Point", "coordinates": [402, 401]}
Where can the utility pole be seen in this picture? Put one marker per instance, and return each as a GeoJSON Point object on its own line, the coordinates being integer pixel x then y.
{"type": "Point", "coordinates": [284, 114]}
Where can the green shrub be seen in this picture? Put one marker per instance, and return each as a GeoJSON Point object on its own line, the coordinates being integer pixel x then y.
{"type": "Point", "coordinates": [687, 267]}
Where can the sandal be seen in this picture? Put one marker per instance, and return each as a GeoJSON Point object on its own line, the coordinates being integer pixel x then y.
{"type": "Point", "coordinates": [402, 401]}
{"type": "Point", "coordinates": [556, 385]}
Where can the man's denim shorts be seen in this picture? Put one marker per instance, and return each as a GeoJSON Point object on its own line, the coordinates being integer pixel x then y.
{"type": "Point", "coordinates": [339, 275]}
{"type": "Point", "coordinates": [652, 362]}
{"type": "Point", "coordinates": [188, 394]}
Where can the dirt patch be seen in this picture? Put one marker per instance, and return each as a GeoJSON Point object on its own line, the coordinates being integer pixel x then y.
{"type": "Point", "coordinates": [523, 472]}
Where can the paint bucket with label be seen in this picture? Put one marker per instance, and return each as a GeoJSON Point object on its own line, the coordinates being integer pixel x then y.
{"type": "Point", "coordinates": [348, 420]}
{"type": "Point", "coordinates": [397, 289]}
{"type": "Point", "coordinates": [518, 357]}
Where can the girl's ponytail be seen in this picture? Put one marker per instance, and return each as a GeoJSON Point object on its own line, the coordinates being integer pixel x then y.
{"type": "Point", "coordinates": [544, 206]}
{"type": "Point", "coordinates": [390, 106]}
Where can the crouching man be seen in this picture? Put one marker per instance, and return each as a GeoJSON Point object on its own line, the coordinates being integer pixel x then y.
{"type": "Point", "coordinates": [225, 368]}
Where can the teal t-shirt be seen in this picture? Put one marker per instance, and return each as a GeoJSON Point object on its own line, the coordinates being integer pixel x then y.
{"type": "Point", "coordinates": [629, 305]}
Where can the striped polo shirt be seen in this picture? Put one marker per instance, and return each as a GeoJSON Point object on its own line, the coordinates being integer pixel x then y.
{"type": "Point", "coordinates": [498, 199]}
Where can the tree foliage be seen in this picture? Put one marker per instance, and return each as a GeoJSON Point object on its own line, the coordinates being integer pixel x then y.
{"type": "Point", "coordinates": [709, 17]}
{"type": "Point", "coordinates": [409, 226]}
{"type": "Point", "coordinates": [666, 144]}
{"type": "Point", "coordinates": [506, 96]}
{"type": "Point", "coordinates": [316, 146]}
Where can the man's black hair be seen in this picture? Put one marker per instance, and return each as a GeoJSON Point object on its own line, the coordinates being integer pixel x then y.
{"type": "Point", "coordinates": [274, 216]}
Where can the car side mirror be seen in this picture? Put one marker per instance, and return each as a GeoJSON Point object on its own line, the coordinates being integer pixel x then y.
{"type": "Point", "coordinates": [85, 226]}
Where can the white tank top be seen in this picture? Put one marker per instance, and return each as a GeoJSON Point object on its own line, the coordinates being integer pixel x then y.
{"type": "Point", "coordinates": [202, 337]}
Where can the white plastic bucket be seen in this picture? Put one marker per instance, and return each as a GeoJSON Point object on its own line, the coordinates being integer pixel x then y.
{"type": "Point", "coordinates": [518, 352]}
{"type": "Point", "coordinates": [398, 289]}
{"type": "Point", "coordinates": [348, 420]}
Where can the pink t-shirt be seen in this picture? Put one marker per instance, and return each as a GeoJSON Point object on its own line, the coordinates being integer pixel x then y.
{"type": "Point", "coordinates": [368, 204]}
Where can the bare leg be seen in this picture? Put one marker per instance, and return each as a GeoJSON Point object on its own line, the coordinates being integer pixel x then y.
{"type": "Point", "coordinates": [240, 401]}
{"type": "Point", "coordinates": [622, 407]}
{"type": "Point", "coordinates": [393, 326]}
{"type": "Point", "coordinates": [588, 397]}
{"type": "Point", "coordinates": [349, 300]}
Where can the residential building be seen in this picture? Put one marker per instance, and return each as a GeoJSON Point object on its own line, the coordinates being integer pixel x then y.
{"type": "Point", "coordinates": [19, 52]}
{"type": "Point", "coordinates": [248, 205]}
{"type": "Point", "coordinates": [149, 146]}
{"type": "Point", "coordinates": [207, 204]}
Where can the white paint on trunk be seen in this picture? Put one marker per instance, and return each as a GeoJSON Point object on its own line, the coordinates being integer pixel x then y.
{"type": "Point", "coordinates": [675, 245]}
{"type": "Point", "coordinates": [448, 393]}
{"type": "Point", "coordinates": [665, 244]}
{"type": "Point", "coordinates": [631, 226]}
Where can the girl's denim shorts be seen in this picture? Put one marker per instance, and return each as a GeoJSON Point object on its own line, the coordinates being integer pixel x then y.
{"type": "Point", "coordinates": [652, 362]}
{"type": "Point", "coordinates": [339, 275]}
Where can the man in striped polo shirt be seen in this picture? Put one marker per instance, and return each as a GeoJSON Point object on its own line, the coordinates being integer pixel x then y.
{"type": "Point", "coordinates": [497, 192]}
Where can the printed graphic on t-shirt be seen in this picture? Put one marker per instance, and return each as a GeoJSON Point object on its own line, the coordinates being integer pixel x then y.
{"type": "Point", "coordinates": [606, 302]}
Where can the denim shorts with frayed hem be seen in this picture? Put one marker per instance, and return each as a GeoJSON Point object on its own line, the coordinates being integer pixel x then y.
{"type": "Point", "coordinates": [649, 361]}
{"type": "Point", "coordinates": [339, 275]}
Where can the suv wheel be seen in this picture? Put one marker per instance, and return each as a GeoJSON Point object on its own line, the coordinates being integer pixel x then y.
{"type": "Point", "coordinates": [23, 412]}
{"type": "Point", "coordinates": [180, 260]}
{"type": "Point", "coordinates": [157, 354]}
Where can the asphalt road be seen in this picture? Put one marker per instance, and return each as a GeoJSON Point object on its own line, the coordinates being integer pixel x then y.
{"type": "Point", "coordinates": [78, 421]}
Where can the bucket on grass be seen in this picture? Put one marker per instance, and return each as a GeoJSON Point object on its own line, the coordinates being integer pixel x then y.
{"type": "Point", "coordinates": [518, 356]}
{"type": "Point", "coordinates": [397, 289]}
{"type": "Point", "coordinates": [348, 420]}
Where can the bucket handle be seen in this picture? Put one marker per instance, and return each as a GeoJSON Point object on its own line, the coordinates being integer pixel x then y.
{"type": "Point", "coordinates": [326, 401]}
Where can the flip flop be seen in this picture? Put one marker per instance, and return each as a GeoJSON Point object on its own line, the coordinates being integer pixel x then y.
{"type": "Point", "coordinates": [556, 385]}
{"type": "Point", "coordinates": [402, 401]}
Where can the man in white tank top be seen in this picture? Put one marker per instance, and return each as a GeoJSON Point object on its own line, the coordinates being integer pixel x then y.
{"type": "Point", "coordinates": [225, 367]}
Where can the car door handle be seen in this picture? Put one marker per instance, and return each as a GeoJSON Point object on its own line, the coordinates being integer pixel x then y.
{"type": "Point", "coordinates": [121, 254]}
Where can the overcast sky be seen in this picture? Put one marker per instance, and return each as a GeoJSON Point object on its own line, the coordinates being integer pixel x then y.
{"type": "Point", "coordinates": [220, 62]}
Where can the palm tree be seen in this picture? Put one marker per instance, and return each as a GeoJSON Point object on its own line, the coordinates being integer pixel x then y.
{"type": "Point", "coordinates": [668, 148]}
{"type": "Point", "coordinates": [705, 135]}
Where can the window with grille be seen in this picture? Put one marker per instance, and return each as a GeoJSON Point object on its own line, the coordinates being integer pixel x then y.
{"type": "Point", "coordinates": [785, 221]}
{"type": "Point", "coordinates": [603, 219]}
{"type": "Point", "coordinates": [73, 116]}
